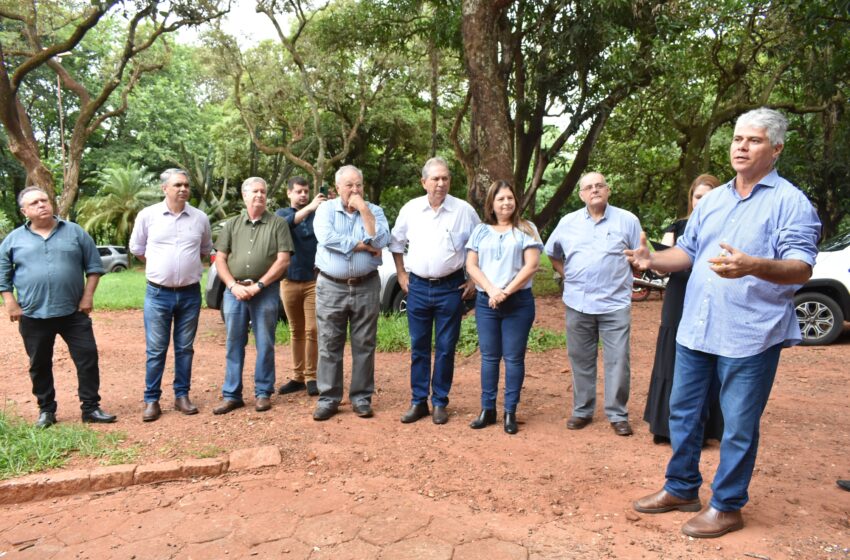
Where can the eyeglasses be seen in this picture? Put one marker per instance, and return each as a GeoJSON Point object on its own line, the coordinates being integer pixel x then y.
{"type": "Point", "coordinates": [594, 187]}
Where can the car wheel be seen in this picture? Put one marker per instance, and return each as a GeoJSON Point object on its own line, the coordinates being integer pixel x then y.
{"type": "Point", "coordinates": [399, 304]}
{"type": "Point", "coordinates": [118, 268]}
{"type": "Point", "coordinates": [820, 318]}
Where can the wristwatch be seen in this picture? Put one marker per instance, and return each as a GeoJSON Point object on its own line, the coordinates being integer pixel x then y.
{"type": "Point", "coordinates": [261, 285]}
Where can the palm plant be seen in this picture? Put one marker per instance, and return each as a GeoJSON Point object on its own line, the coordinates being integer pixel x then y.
{"type": "Point", "coordinates": [122, 193]}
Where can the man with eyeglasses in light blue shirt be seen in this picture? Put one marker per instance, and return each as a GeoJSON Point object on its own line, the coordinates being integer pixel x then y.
{"type": "Point", "coordinates": [752, 244]}
{"type": "Point", "coordinates": [586, 249]}
{"type": "Point", "coordinates": [350, 233]}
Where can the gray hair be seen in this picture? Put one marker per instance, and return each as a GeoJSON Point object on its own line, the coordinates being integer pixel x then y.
{"type": "Point", "coordinates": [426, 169]}
{"type": "Point", "coordinates": [28, 190]}
{"type": "Point", "coordinates": [345, 169]}
{"type": "Point", "coordinates": [773, 122]}
{"type": "Point", "coordinates": [166, 175]}
{"type": "Point", "coordinates": [251, 180]}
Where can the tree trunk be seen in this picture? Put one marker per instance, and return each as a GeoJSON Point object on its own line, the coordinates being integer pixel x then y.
{"type": "Point", "coordinates": [491, 149]}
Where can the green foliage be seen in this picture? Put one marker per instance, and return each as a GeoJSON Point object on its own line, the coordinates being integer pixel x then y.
{"type": "Point", "coordinates": [122, 193]}
{"type": "Point", "coordinates": [282, 334]}
{"type": "Point", "coordinates": [545, 280]}
{"type": "Point", "coordinates": [26, 449]}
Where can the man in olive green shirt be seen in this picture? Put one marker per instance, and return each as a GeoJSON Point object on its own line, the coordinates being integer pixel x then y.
{"type": "Point", "coordinates": [253, 251]}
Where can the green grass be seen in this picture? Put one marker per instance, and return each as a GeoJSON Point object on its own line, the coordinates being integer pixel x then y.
{"type": "Point", "coordinates": [393, 336]}
{"type": "Point", "coordinates": [125, 290]}
{"type": "Point", "coordinates": [27, 449]}
{"type": "Point", "coordinates": [545, 281]}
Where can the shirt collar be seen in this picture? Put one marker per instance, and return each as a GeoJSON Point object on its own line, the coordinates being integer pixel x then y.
{"type": "Point", "coordinates": [166, 210]}
{"type": "Point", "coordinates": [770, 180]}
{"type": "Point", "coordinates": [587, 215]}
{"type": "Point", "coordinates": [448, 204]}
{"type": "Point", "coordinates": [264, 217]}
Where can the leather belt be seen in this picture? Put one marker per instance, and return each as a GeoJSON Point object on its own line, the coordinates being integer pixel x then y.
{"type": "Point", "coordinates": [351, 281]}
{"type": "Point", "coordinates": [456, 275]}
{"type": "Point", "coordinates": [247, 282]}
{"type": "Point", "coordinates": [194, 286]}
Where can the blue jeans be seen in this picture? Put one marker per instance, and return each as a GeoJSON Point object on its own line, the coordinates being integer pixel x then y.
{"type": "Point", "coordinates": [262, 312]}
{"type": "Point", "coordinates": [503, 333]}
{"type": "Point", "coordinates": [745, 385]}
{"type": "Point", "coordinates": [161, 308]}
{"type": "Point", "coordinates": [433, 307]}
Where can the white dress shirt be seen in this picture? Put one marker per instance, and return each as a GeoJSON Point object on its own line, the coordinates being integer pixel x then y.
{"type": "Point", "coordinates": [435, 239]}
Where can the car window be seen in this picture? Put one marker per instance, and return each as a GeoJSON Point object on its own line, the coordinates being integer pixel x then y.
{"type": "Point", "coordinates": [121, 250]}
{"type": "Point", "coordinates": [104, 252]}
{"type": "Point", "coordinates": [836, 243]}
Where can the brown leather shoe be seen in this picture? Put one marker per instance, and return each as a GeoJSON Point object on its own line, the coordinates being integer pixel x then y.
{"type": "Point", "coordinates": [184, 405]}
{"type": "Point", "coordinates": [663, 501]}
{"type": "Point", "coordinates": [622, 428]}
{"type": "Point", "coordinates": [578, 422]}
{"type": "Point", "coordinates": [228, 406]}
{"type": "Point", "coordinates": [152, 412]}
{"type": "Point", "coordinates": [262, 404]}
{"type": "Point", "coordinates": [711, 523]}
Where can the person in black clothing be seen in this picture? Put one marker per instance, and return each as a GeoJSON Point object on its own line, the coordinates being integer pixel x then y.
{"type": "Point", "coordinates": [657, 412]}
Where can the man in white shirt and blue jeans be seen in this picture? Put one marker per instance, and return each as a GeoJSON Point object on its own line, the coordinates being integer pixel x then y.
{"type": "Point", "coordinates": [435, 229]}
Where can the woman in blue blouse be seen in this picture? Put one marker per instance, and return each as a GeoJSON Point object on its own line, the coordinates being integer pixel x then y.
{"type": "Point", "coordinates": [503, 255]}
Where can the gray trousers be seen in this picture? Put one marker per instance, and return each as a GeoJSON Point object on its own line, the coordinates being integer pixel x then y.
{"type": "Point", "coordinates": [583, 334]}
{"type": "Point", "coordinates": [340, 307]}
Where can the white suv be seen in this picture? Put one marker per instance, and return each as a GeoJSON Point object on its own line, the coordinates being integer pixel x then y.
{"type": "Point", "coordinates": [823, 303]}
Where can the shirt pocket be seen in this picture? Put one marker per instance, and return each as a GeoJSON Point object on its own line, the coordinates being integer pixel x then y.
{"type": "Point", "coordinates": [615, 242]}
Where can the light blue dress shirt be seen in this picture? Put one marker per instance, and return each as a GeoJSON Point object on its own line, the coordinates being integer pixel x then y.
{"type": "Point", "coordinates": [741, 317]}
{"type": "Point", "coordinates": [339, 232]}
{"type": "Point", "coordinates": [48, 273]}
{"type": "Point", "coordinates": [500, 254]}
{"type": "Point", "coordinates": [597, 277]}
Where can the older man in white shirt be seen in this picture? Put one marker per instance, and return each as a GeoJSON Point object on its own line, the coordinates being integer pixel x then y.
{"type": "Point", "coordinates": [435, 229]}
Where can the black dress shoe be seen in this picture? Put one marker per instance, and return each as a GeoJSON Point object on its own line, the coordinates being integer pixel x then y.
{"type": "Point", "coordinates": [622, 428]}
{"type": "Point", "coordinates": [486, 418]}
{"type": "Point", "coordinates": [98, 416]}
{"type": "Point", "coordinates": [291, 387]}
{"type": "Point", "coordinates": [660, 440]}
{"type": "Point", "coordinates": [312, 388]}
{"type": "Point", "coordinates": [843, 484]}
{"type": "Point", "coordinates": [510, 423]}
{"type": "Point", "coordinates": [323, 413]}
{"type": "Point", "coordinates": [578, 422]}
{"type": "Point", "coordinates": [45, 420]}
{"type": "Point", "coordinates": [228, 406]}
{"type": "Point", "coordinates": [415, 412]}
{"type": "Point", "coordinates": [363, 410]}
{"type": "Point", "coordinates": [152, 411]}
{"type": "Point", "coordinates": [440, 416]}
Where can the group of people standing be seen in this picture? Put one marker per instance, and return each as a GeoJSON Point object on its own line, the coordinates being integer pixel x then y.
{"type": "Point", "coordinates": [735, 265]}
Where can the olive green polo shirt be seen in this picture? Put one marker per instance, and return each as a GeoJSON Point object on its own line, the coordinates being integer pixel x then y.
{"type": "Point", "coordinates": [252, 248]}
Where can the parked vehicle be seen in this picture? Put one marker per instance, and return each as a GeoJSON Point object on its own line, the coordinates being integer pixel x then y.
{"type": "Point", "coordinates": [114, 258]}
{"type": "Point", "coordinates": [823, 303]}
{"type": "Point", "coordinates": [645, 282]}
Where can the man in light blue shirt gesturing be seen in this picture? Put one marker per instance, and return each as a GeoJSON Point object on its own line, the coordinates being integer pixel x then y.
{"type": "Point", "coordinates": [586, 249]}
{"type": "Point", "coordinates": [751, 243]}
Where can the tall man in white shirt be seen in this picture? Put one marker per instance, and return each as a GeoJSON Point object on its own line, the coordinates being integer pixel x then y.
{"type": "Point", "coordinates": [435, 229]}
{"type": "Point", "coordinates": [171, 237]}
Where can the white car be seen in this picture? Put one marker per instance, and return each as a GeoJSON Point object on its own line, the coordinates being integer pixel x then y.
{"type": "Point", "coordinates": [823, 303]}
{"type": "Point", "coordinates": [114, 258]}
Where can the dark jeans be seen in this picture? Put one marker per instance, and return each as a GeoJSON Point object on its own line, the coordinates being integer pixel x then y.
{"type": "Point", "coordinates": [503, 333]}
{"type": "Point", "coordinates": [745, 385]}
{"type": "Point", "coordinates": [433, 307]}
{"type": "Point", "coordinates": [39, 337]}
{"type": "Point", "coordinates": [162, 308]}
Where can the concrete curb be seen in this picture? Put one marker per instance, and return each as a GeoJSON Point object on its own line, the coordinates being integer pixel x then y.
{"type": "Point", "coordinates": [53, 485]}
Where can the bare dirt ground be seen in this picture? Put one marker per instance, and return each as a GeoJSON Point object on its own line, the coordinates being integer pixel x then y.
{"type": "Point", "coordinates": [574, 487]}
